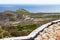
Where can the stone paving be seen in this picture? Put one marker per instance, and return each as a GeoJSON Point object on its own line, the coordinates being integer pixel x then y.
{"type": "Point", "coordinates": [50, 33]}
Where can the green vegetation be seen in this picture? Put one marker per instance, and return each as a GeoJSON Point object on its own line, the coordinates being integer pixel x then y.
{"type": "Point", "coordinates": [23, 27]}
{"type": "Point", "coordinates": [17, 30]}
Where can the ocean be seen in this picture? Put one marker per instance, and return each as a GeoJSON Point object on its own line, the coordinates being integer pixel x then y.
{"type": "Point", "coordinates": [30, 8]}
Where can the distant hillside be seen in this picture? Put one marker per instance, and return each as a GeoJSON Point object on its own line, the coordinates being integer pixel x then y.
{"type": "Point", "coordinates": [12, 16]}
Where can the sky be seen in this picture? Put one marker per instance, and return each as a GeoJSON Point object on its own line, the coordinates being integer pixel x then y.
{"type": "Point", "coordinates": [36, 5]}
{"type": "Point", "coordinates": [29, 1]}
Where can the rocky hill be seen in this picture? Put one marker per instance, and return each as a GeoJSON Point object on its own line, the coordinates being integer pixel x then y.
{"type": "Point", "coordinates": [9, 17]}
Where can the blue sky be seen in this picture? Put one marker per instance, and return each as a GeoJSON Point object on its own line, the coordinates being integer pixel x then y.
{"type": "Point", "coordinates": [31, 5]}
{"type": "Point", "coordinates": [29, 1]}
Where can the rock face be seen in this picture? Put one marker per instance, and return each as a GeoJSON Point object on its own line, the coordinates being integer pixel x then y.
{"type": "Point", "coordinates": [50, 33]}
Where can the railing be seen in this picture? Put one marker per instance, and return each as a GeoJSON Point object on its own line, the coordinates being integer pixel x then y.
{"type": "Point", "coordinates": [33, 34]}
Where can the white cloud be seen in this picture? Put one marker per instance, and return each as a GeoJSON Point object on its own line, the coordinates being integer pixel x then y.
{"type": "Point", "coordinates": [29, 1]}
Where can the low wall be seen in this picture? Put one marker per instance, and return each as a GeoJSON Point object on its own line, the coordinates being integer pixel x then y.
{"type": "Point", "coordinates": [33, 34]}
